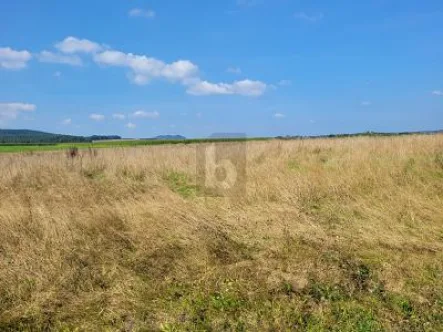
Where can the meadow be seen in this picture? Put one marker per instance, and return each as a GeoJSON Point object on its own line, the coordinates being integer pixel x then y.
{"type": "Point", "coordinates": [25, 147]}
{"type": "Point", "coordinates": [340, 234]}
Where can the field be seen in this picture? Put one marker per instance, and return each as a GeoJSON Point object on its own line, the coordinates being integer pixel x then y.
{"type": "Point", "coordinates": [5, 148]}
{"type": "Point", "coordinates": [331, 234]}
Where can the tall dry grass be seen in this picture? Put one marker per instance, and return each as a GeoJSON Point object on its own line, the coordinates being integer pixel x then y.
{"type": "Point", "coordinates": [340, 234]}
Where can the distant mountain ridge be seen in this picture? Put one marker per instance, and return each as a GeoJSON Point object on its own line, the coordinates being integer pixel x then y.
{"type": "Point", "coordinates": [367, 133]}
{"type": "Point", "coordinates": [26, 136]}
{"type": "Point", "coordinates": [169, 137]}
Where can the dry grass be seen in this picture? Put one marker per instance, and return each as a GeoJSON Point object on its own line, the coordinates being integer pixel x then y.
{"type": "Point", "coordinates": [340, 234]}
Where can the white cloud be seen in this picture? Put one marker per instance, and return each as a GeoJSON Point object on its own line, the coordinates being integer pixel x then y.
{"type": "Point", "coordinates": [49, 57]}
{"type": "Point", "coordinates": [97, 117]}
{"type": "Point", "coordinates": [311, 18]}
{"type": "Point", "coordinates": [437, 93]}
{"type": "Point", "coordinates": [12, 59]}
{"type": "Point", "coordinates": [143, 114]}
{"type": "Point", "coordinates": [180, 70]}
{"type": "Point", "coordinates": [67, 122]}
{"type": "Point", "coordinates": [137, 12]}
{"type": "Point", "coordinates": [12, 110]}
{"type": "Point", "coordinates": [130, 125]}
{"type": "Point", "coordinates": [72, 45]}
{"type": "Point", "coordinates": [279, 115]}
{"type": "Point", "coordinates": [284, 83]}
{"type": "Point", "coordinates": [138, 79]}
{"type": "Point", "coordinates": [365, 103]}
{"type": "Point", "coordinates": [234, 70]}
{"type": "Point", "coordinates": [244, 88]}
{"type": "Point", "coordinates": [143, 69]}
{"type": "Point", "coordinates": [206, 88]}
{"type": "Point", "coordinates": [118, 116]}
{"type": "Point", "coordinates": [146, 68]}
{"type": "Point", "coordinates": [249, 88]}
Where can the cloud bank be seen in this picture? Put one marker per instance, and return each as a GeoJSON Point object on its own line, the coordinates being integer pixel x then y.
{"type": "Point", "coordinates": [97, 117]}
{"type": "Point", "coordinates": [71, 45]}
{"type": "Point", "coordinates": [10, 111]}
{"type": "Point", "coordinates": [12, 59]}
{"type": "Point", "coordinates": [142, 69]}
{"type": "Point", "coordinates": [244, 88]}
{"type": "Point", "coordinates": [49, 57]}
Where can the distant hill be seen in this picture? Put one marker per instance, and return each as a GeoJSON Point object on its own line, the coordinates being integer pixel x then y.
{"type": "Point", "coordinates": [227, 135]}
{"type": "Point", "coordinates": [169, 137]}
{"type": "Point", "coordinates": [367, 133]}
{"type": "Point", "coordinates": [25, 136]}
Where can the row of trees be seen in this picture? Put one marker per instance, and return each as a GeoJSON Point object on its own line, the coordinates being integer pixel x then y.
{"type": "Point", "coordinates": [12, 136]}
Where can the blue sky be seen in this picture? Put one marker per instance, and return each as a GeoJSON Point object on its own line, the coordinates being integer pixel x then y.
{"type": "Point", "coordinates": [140, 68]}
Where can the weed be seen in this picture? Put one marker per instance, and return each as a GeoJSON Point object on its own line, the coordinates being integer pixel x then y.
{"type": "Point", "coordinates": [352, 317]}
{"type": "Point", "coordinates": [223, 249]}
{"type": "Point", "coordinates": [225, 302]}
{"type": "Point", "coordinates": [135, 174]}
{"type": "Point", "coordinates": [294, 165]}
{"type": "Point", "coordinates": [72, 152]}
{"type": "Point", "coordinates": [325, 292]}
{"type": "Point", "coordinates": [94, 172]}
{"type": "Point", "coordinates": [179, 182]}
{"type": "Point", "coordinates": [438, 159]}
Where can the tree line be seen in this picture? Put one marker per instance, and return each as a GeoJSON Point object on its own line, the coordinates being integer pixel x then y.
{"type": "Point", "coordinates": [18, 136]}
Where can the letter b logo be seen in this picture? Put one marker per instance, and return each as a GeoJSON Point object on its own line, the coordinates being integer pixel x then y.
{"type": "Point", "coordinates": [221, 169]}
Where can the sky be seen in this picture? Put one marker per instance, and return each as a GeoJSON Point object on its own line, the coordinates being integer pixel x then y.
{"type": "Point", "coordinates": [141, 68]}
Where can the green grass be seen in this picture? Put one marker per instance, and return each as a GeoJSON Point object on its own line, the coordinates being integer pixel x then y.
{"type": "Point", "coordinates": [180, 183]}
{"type": "Point", "coordinates": [10, 148]}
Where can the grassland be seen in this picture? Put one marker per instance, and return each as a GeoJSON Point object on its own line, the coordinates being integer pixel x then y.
{"type": "Point", "coordinates": [332, 234]}
{"type": "Point", "coordinates": [5, 148]}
